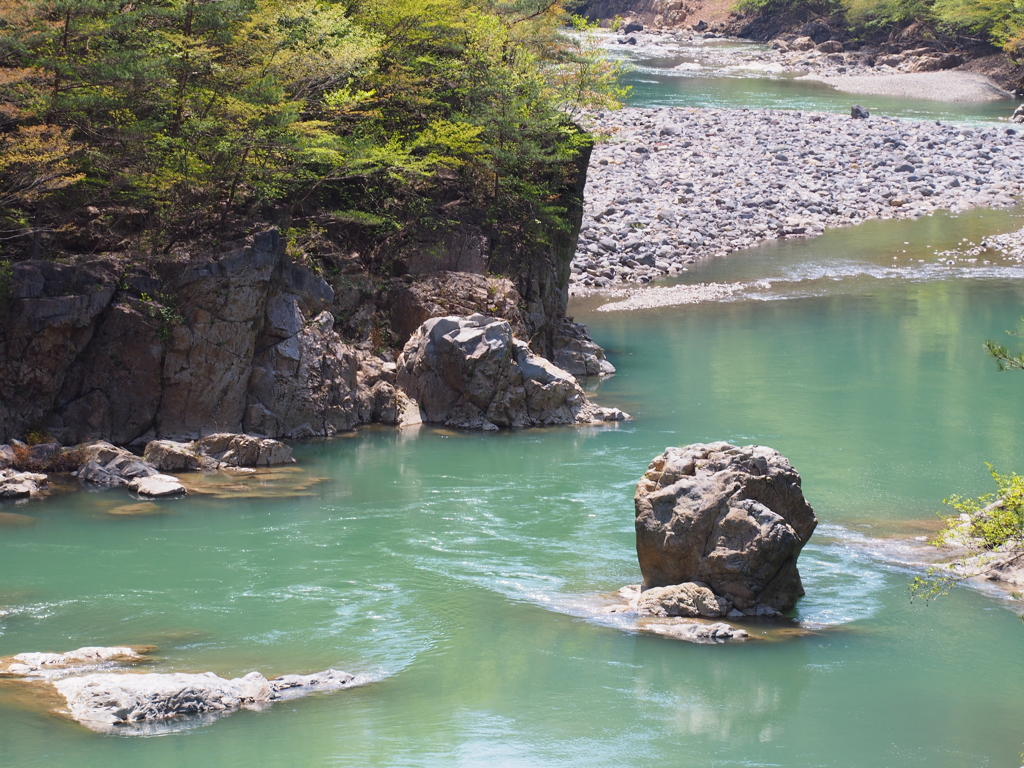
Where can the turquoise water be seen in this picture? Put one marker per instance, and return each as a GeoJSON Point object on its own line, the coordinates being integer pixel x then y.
{"type": "Point", "coordinates": [656, 80]}
{"type": "Point", "coordinates": [457, 574]}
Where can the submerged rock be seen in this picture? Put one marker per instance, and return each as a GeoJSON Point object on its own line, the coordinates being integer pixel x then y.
{"type": "Point", "coordinates": [472, 373]}
{"type": "Point", "coordinates": [46, 664]}
{"type": "Point", "coordinates": [734, 519]}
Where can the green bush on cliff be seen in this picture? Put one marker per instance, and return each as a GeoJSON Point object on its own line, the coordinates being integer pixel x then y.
{"type": "Point", "coordinates": [161, 121]}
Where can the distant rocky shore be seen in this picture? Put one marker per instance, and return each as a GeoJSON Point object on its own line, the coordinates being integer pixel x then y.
{"type": "Point", "coordinates": [672, 186]}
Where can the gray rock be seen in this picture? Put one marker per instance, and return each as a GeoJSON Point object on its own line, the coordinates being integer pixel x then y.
{"type": "Point", "coordinates": [95, 473]}
{"type": "Point", "coordinates": [21, 485]}
{"type": "Point", "coordinates": [56, 664]}
{"type": "Point", "coordinates": [732, 518]}
{"type": "Point", "coordinates": [471, 373]}
{"type": "Point", "coordinates": [857, 112]}
{"type": "Point", "coordinates": [107, 700]}
{"type": "Point", "coordinates": [244, 450]}
{"type": "Point", "coordinates": [157, 486]}
{"type": "Point", "coordinates": [690, 600]}
{"type": "Point", "coordinates": [7, 457]}
{"type": "Point", "coordinates": [171, 456]}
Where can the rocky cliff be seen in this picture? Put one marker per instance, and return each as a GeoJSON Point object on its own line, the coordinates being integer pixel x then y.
{"type": "Point", "coordinates": [245, 340]}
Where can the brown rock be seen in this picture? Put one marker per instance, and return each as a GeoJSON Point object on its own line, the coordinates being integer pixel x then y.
{"type": "Point", "coordinates": [732, 518]}
{"type": "Point", "coordinates": [171, 456]}
{"type": "Point", "coordinates": [245, 450]}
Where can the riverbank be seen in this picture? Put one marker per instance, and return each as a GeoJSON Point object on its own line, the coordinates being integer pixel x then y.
{"type": "Point", "coordinates": [921, 72]}
{"type": "Point", "coordinates": [674, 186]}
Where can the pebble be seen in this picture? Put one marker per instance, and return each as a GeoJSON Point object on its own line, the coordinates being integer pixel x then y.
{"type": "Point", "coordinates": [673, 186]}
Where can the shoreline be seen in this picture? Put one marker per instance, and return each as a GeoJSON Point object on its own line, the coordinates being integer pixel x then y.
{"type": "Point", "coordinates": [674, 186]}
{"type": "Point", "coordinates": [917, 73]}
{"type": "Point", "coordinates": [948, 86]}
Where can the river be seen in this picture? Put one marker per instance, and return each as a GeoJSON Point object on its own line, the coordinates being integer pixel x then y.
{"type": "Point", "coordinates": [455, 572]}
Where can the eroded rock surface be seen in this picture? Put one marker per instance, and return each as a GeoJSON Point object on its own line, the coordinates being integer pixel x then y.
{"type": "Point", "coordinates": [101, 701]}
{"type": "Point", "coordinates": [734, 519]}
{"type": "Point", "coordinates": [157, 486]}
{"type": "Point", "coordinates": [472, 373]}
{"type": "Point", "coordinates": [42, 664]}
{"type": "Point", "coordinates": [244, 450]}
{"type": "Point", "coordinates": [101, 695]}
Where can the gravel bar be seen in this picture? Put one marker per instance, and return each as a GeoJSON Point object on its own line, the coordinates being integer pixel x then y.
{"type": "Point", "coordinates": [672, 186]}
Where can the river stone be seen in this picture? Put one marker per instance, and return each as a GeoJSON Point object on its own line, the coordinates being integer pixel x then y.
{"type": "Point", "coordinates": [732, 518]}
{"type": "Point", "coordinates": [472, 373]}
{"type": "Point", "coordinates": [7, 457]}
{"type": "Point", "coordinates": [157, 486]}
{"type": "Point", "coordinates": [103, 701]}
{"type": "Point", "coordinates": [690, 600]}
{"type": "Point", "coordinates": [171, 456]}
{"type": "Point", "coordinates": [43, 663]}
{"type": "Point", "coordinates": [20, 485]}
{"type": "Point", "coordinates": [244, 450]}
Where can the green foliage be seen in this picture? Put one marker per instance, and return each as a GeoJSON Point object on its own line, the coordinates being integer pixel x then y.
{"type": "Point", "coordinates": [205, 114]}
{"type": "Point", "coordinates": [1005, 359]}
{"type": "Point", "coordinates": [884, 15]}
{"type": "Point", "coordinates": [980, 525]}
{"type": "Point", "coordinates": [1001, 21]}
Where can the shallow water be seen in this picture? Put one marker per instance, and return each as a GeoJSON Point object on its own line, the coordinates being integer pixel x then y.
{"type": "Point", "coordinates": [691, 75]}
{"type": "Point", "coordinates": [457, 572]}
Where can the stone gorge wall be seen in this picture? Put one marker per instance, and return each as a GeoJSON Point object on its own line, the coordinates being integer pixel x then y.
{"type": "Point", "coordinates": [101, 350]}
{"type": "Point", "coordinates": [239, 341]}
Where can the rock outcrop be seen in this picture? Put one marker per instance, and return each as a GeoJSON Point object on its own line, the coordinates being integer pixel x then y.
{"type": "Point", "coordinates": [246, 341]}
{"type": "Point", "coordinates": [472, 373]}
{"type": "Point", "coordinates": [43, 664]}
{"type": "Point", "coordinates": [216, 451]}
{"type": "Point", "coordinates": [726, 518]}
{"type": "Point", "coordinates": [157, 486]}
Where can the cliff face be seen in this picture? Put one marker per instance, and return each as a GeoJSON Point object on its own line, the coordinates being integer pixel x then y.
{"type": "Point", "coordinates": [246, 341]}
{"type": "Point", "coordinates": [88, 351]}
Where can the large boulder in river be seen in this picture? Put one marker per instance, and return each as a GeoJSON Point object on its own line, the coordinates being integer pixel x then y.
{"type": "Point", "coordinates": [734, 519]}
{"type": "Point", "coordinates": [472, 373]}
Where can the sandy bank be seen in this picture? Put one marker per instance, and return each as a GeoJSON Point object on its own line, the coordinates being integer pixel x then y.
{"type": "Point", "coordinates": [939, 86]}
